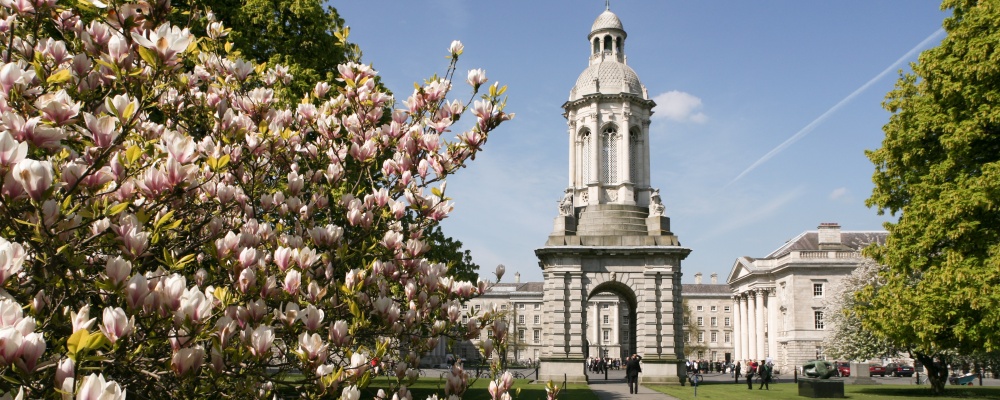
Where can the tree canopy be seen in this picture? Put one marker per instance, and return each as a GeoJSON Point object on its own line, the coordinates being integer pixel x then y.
{"type": "Point", "coordinates": [938, 170]}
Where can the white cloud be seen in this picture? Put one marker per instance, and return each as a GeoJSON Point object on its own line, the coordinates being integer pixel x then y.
{"type": "Point", "coordinates": [679, 106]}
{"type": "Point", "coordinates": [838, 193]}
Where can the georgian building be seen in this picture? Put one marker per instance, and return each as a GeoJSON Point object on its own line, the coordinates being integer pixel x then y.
{"type": "Point", "coordinates": [779, 300]}
{"type": "Point", "coordinates": [710, 337]}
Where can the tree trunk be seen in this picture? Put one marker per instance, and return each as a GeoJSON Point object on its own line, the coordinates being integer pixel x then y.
{"type": "Point", "coordinates": [937, 371]}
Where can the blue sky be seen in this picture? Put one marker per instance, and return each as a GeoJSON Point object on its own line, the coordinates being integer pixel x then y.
{"type": "Point", "coordinates": [733, 80]}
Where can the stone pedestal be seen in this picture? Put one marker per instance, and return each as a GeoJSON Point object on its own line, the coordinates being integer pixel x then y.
{"type": "Point", "coordinates": [859, 375]}
{"type": "Point", "coordinates": [662, 372]}
{"type": "Point", "coordinates": [658, 226]}
{"type": "Point", "coordinates": [821, 388]}
{"type": "Point", "coordinates": [572, 370]}
{"type": "Point", "coordinates": [564, 225]}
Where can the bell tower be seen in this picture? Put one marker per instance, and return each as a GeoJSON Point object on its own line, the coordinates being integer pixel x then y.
{"type": "Point", "coordinates": [611, 234]}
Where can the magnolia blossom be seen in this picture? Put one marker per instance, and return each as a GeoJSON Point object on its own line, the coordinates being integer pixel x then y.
{"type": "Point", "coordinates": [166, 40]}
{"type": "Point", "coordinates": [187, 360]}
{"type": "Point", "coordinates": [34, 176]}
{"type": "Point", "coordinates": [11, 151]}
{"type": "Point", "coordinates": [12, 257]}
{"type": "Point", "coordinates": [94, 387]}
{"type": "Point", "coordinates": [477, 77]}
{"type": "Point", "coordinates": [82, 320]}
{"type": "Point", "coordinates": [261, 339]}
{"type": "Point", "coordinates": [116, 324]}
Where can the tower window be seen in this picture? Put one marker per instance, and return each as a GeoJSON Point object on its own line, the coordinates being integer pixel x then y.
{"type": "Point", "coordinates": [607, 43]}
{"type": "Point", "coordinates": [609, 146]}
{"type": "Point", "coordinates": [587, 155]}
{"type": "Point", "coordinates": [618, 45]}
{"type": "Point", "coordinates": [597, 45]}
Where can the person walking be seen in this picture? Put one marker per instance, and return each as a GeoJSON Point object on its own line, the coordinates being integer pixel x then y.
{"type": "Point", "coordinates": [632, 370]}
{"type": "Point", "coordinates": [751, 369]}
{"type": "Point", "coordinates": [765, 375]}
{"type": "Point", "coordinates": [737, 372]}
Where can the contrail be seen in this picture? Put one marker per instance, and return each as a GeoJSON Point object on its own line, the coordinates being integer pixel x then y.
{"type": "Point", "coordinates": [812, 125]}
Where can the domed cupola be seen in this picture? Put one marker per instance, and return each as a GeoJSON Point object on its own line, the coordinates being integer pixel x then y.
{"type": "Point", "coordinates": [607, 72]}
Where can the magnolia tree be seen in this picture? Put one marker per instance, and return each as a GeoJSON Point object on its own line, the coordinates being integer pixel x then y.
{"type": "Point", "coordinates": [171, 228]}
{"type": "Point", "coordinates": [850, 340]}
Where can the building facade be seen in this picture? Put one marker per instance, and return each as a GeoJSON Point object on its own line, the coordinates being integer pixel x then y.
{"type": "Point", "coordinates": [708, 330]}
{"type": "Point", "coordinates": [779, 300]}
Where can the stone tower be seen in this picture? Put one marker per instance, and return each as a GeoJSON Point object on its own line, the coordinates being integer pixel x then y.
{"type": "Point", "coordinates": [611, 235]}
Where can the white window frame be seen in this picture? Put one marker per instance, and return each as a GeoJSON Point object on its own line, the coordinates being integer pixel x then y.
{"type": "Point", "coordinates": [818, 322]}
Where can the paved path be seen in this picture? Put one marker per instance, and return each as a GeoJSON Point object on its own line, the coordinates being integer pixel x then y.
{"type": "Point", "coordinates": [614, 388]}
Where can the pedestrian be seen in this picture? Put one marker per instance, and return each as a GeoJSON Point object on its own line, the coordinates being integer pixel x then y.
{"type": "Point", "coordinates": [750, 371]}
{"type": "Point", "coordinates": [632, 370]}
{"type": "Point", "coordinates": [765, 375]}
{"type": "Point", "coordinates": [737, 372]}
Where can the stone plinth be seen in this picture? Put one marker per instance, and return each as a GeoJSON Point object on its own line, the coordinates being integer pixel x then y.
{"type": "Point", "coordinates": [860, 375]}
{"type": "Point", "coordinates": [572, 370]}
{"type": "Point", "coordinates": [821, 388]}
{"type": "Point", "coordinates": [657, 226]}
{"type": "Point", "coordinates": [662, 372]}
{"type": "Point", "coordinates": [564, 225]}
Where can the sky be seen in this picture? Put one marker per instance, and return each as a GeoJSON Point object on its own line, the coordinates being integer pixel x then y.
{"type": "Point", "coordinates": [764, 111]}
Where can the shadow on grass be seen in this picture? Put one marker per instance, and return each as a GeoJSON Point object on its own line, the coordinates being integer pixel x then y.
{"type": "Point", "coordinates": [479, 390]}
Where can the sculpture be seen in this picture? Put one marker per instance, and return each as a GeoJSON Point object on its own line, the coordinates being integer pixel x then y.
{"type": "Point", "coordinates": [566, 204]}
{"type": "Point", "coordinates": [818, 369]}
{"type": "Point", "coordinates": [655, 204]}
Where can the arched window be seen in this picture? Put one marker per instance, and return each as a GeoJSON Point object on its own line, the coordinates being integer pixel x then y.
{"type": "Point", "coordinates": [609, 151]}
{"type": "Point", "coordinates": [587, 155]}
{"type": "Point", "coordinates": [597, 45]}
{"type": "Point", "coordinates": [634, 158]}
{"type": "Point", "coordinates": [607, 43]}
{"type": "Point", "coordinates": [618, 46]}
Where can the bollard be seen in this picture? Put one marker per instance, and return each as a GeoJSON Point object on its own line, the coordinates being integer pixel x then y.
{"type": "Point", "coordinates": [796, 376]}
{"type": "Point", "coordinates": [605, 373]}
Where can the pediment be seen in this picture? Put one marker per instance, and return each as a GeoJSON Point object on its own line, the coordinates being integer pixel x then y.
{"type": "Point", "coordinates": [741, 268]}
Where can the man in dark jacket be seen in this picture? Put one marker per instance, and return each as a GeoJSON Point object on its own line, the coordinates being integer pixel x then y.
{"type": "Point", "coordinates": [632, 370]}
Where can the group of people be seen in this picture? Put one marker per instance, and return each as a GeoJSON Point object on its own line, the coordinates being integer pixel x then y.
{"type": "Point", "coordinates": [702, 366]}
{"type": "Point", "coordinates": [750, 369]}
{"type": "Point", "coordinates": [600, 365]}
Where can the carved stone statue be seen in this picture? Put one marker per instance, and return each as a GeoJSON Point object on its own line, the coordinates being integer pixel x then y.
{"type": "Point", "coordinates": [566, 204]}
{"type": "Point", "coordinates": [818, 369]}
{"type": "Point", "coordinates": [655, 204]}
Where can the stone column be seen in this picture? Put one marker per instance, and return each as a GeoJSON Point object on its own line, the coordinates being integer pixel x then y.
{"type": "Point", "coordinates": [772, 324]}
{"type": "Point", "coordinates": [736, 329]}
{"type": "Point", "coordinates": [752, 324]}
{"type": "Point", "coordinates": [744, 328]}
{"type": "Point", "coordinates": [573, 150]}
{"type": "Point", "coordinates": [759, 299]}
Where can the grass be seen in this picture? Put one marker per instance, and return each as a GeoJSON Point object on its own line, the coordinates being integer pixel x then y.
{"type": "Point", "coordinates": [479, 390]}
{"type": "Point", "coordinates": [718, 390]}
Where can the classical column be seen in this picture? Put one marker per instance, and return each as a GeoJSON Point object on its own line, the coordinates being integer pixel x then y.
{"type": "Point", "coordinates": [573, 150]}
{"type": "Point", "coordinates": [736, 329]}
{"type": "Point", "coordinates": [744, 328]}
{"type": "Point", "coordinates": [759, 299]}
{"type": "Point", "coordinates": [752, 324]}
{"type": "Point", "coordinates": [772, 324]}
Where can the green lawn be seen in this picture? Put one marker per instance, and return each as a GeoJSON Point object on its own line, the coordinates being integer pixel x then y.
{"type": "Point", "coordinates": [427, 386]}
{"type": "Point", "coordinates": [857, 392]}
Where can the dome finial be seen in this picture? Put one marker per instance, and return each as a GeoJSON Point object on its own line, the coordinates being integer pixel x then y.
{"type": "Point", "coordinates": [607, 5]}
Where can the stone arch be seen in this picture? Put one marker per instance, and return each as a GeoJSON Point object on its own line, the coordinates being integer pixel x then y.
{"type": "Point", "coordinates": [626, 294]}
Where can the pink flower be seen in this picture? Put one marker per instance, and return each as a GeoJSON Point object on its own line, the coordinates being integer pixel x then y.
{"type": "Point", "coordinates": [284, 257]}
{"type": "Point", "coordinates": [476, 78]}
{"type": "Point", "coordinates": [312, 347]}
{"type": "Point", "coordinates": [102, 130]}
{"type": "Point", "coordinates": [10, 345]}
{"type": "Point", "coordinates": [136, 291]}
{"type": "Point", "coordinates": [82, 320]}
{"type": "Point", "coordinates": [11, 151]}
{"type": "Point", "coordinates": [116, 324]}
{"type": "Point", "coordinates": [94, 387]}
{"type": "Point", "coordinates": [261, 339]}
{"type": "Point", "coordinates": [187, 360]}
{"type": "Point", "coordinates": [65, 370]}
{"type": "Point", "coordinates": [32, 348]}
{"type": "Point", "coordinates": [118, 269]}
{"type": "Point", "coordinates": [247, 280]}
{"type": "Point", "coordinates": [456, 48]}
{"type": "Point", "coordinates": [311, 317]}
{"type": "Point", "coordinates": [166, 40]}
{"type": "Point", "coordinates": [293, 279]}
{"type": "Point", "coordinates": [57, 108]}
{"type": "Point", "coordinates": [11, 260]}
{"type": "Point", "coordinates": [34, 176]}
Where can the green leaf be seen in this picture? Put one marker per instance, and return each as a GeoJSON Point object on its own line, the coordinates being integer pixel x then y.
{"type": "Point", "coordinates": [133, 153]}
{"type": "Point", "coordinates": [117, 209]}
{"type": "Point", "coordinates": [149, 56]}
{"type": "Point", "coordinates": [164, 219]}
{"type": "Point", "coordinates": [60, 76]}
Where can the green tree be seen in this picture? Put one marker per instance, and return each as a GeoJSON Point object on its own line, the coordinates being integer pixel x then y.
{"type": "Point", "coordinates": [938, 170]}
{"type": "Point", "coordinates": [303, 35]}
{"type": "Point", "coordinates": [449, 251]}
{"type": "Point", "coordinates": [848, 342]}
{"type": "Point", "coordinates": [691, 331]}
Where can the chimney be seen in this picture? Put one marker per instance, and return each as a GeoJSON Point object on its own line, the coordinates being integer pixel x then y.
{"type": "Point", "coordinates": [715, 279]}
{"type": "Point", "coordinates": [517, 277]}
{"type": "Point", "coordinates": [829, 236]}
{"type": "Point", "coordinates": [697, 278]}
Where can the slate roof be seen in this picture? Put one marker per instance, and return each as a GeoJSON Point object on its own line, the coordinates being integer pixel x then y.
{"type": "Point", "coordinates": [705, 289]}
{"type": "Point", "coordinates": [809, 240]}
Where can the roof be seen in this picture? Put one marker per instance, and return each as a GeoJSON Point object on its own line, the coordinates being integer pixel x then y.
{"type": "Point", "coordinates": [705, 289]}
{"type": "Point", "coordinates": [809, 240]}
{"type": "Point", "coordinates": [608, 77]}
{"type": "Point", "coordinates": [607, 20]}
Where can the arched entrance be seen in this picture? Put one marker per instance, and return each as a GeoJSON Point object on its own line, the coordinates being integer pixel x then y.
{"type": "Point", "coordinates": [645, 278]}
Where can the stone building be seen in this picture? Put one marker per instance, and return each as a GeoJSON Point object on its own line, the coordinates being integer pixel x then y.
{"type": "Point", "coordinates": [709, 307]}
{"type": "Point", "coordinates": [779, 300]}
